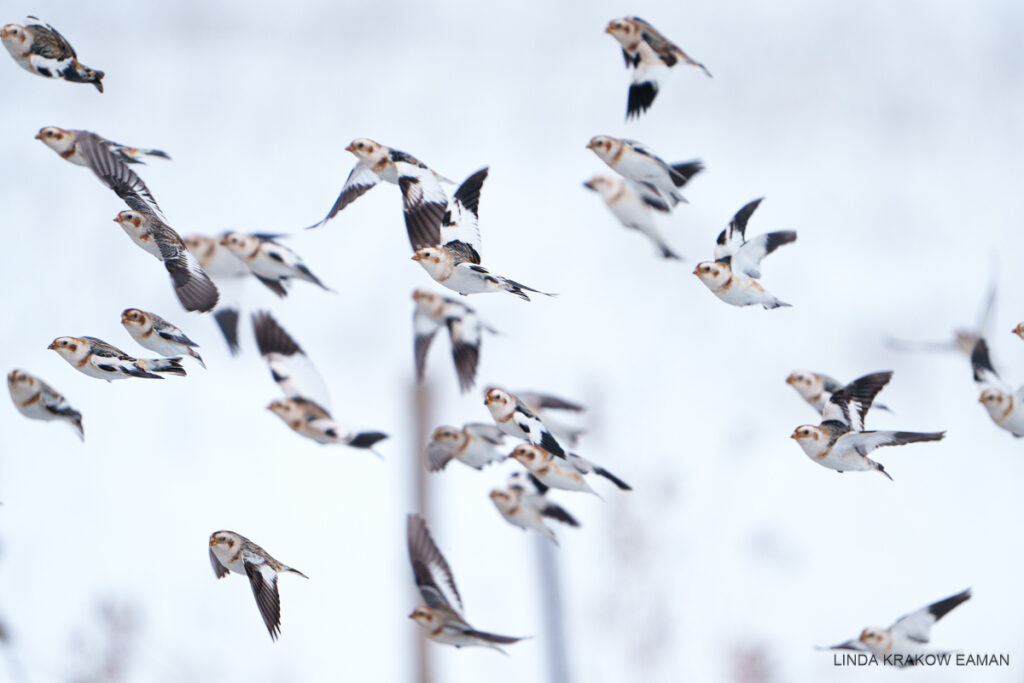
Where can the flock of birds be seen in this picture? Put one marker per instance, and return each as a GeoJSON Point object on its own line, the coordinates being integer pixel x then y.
{"type": "Point", "coordinates": [444, 234]}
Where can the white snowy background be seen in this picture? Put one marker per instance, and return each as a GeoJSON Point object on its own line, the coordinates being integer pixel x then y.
{"type": "Point", "coordinates": [887, 134]}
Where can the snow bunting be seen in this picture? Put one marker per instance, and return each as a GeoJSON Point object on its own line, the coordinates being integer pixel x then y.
{"type": "Point", "coordinates": [377, 163]}
{"type": "Point", "coordinates": [106, 159]}
{"type": "Point", "coordinates": [516, 419]}
{"type": "Point", "coordinates": [233, 552]}
{"type": "Point", "coordinates": [630, 207]}
{"type": "Point", "coordinates": [732, 276]}
{"type": "Point", "coordinates": [36, 399]}
{"type": "Point", "coordinates": [194, 288]}
{"type": "Point", "coordinates": [465, 331]}
{"type": "Point", "coordinates": [454, 260]}
{"type": "Point", "coordinates": [649, 55]}
{"type": "Point", "coordinates": [228, 272]}
{"type": "Point", "coordinates": [816, 388]}
{"type": "Point", "coordinates": [441, 618]}
{"type": "Point", "coordinates": [562, 473]}
{"type": "Point", "coordinates": [1005, 408]}
{"type": "Point", "coordinates": [475, 445]}
{"type": "Point", "coordinates": [900, 644]}
{"type": "Point", "coordinates": [42, 50]}
{"type": "Point", "coordinates": [303, 408]}
{"type": "Point", "coordinates": [156, 334]}
{"type": "Point", "coordinates": [522, 505]}
{"type": "Point", "coordinates": [659, 181]}
{"type": "Point", "coordinates": [840, 441]}
{"type": "Point", "coordinates": [273, 264]}
{"type": "Point", "coordinates": [96, 358]}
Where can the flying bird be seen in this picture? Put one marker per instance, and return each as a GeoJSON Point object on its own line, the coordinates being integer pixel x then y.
{"type": "Point", "coordinates": [193, 287]}
{"type": "Point", "coordinates": [106, 159]}
{"type": "Point", "coordinates": [516, 419]}
{"type": "Point", "coordinates": [156, 334]}
{"type": "Point", "coordinates": [37, 400]}
{"type": "Point", "coordinates": [474, 445]}
{"type": "Point", "coordinates": [272, 263]}
{"type": "Point", "coordinates": [658, 182]}
{"type": "Point", "coordinates": [899, 644]}
{"type": "Point", "coordinates": [96, 358]}
{"type": "Point", "coordinates": [840, 441]}
{"type": "Point", "coordinates": [733, 275]}
{"type": "Point", "coordinates": [236, 553]}
{"type": "Point", "coordinates": [1006, 408]}
{"type": "Point", "coordinates": [816, 388]}
{"type": "Point", "coordinates": [562, 472]}
{"type": "Point", "coordinates": [42, 50]}
{"type": "Point", "coordinates": [649, 56]}
{"type": "Point", "coordinates": [465, 331]}
{"type": "Point", "coordinates": [303, 409]}
{"type": "Point", "coordinates": [522, 504]}
{"type": "Point", "coordinates": [454, 260]}
{"type": "Point", "coordinates": [441, 618]}
{"type": "Point", "coordinates": [377, 163]}
{"type": "Point", "coordinates": [631, 208]}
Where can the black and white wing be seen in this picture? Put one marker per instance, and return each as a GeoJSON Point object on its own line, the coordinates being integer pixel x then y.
{"type": "Point", "coordinates": [748, 258]}
{"type": "Point", "coordinates": [432, 573]}
{"type": "Point", "coordinates": [359, 181]}
{"type": "Point", "coordinates": [423, 328]}
{"type": "Point", "coordinates": [850, 404]}
{"type": "Point", "coordinates": [465, 332]}
{"type": "Point", "coordinates": [647, 72]}
{"type": "Point", "coordinates": [865, 442]}
{"type": "Point", "coordinates": [116, 174]}
{"type": "Point", "coordinates": [424, 204]}
{"type": "Point", "coordinates": [917, 625]}
{"type": "Point", "coordinates": [536, 432]}
{"type": "Point", "coordinates": [735, 234]}
{"type": "Point", "coordinates": [984, 374]}
{"type": "Point", "coordinates": [460, 225]}
{"type": "Point", "coordinates": [263, 580]}
{"type": "Point", "coordinates": [289, 365]}
{"type": "Point", "coordinates": [194, 288]}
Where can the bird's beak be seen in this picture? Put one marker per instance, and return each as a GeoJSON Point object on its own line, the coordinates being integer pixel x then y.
{"type": "Point", "coordinates": [213, 542]}
{"type": "Point", "coordinates": [790, 379]}
{"type": "Point", "coordinates": [487, 400]}
{"type": "Point", "coordinates": [350, 148]}
{"type": "Point", "coordinates": [52, 346]}
{"type": "Point", "coordinates": [608, 28]}
{"type": "Point", "coordinates": [589, 185]}
{"type": "Point", "coordinates": [412, 614]}
{"type": "Point", "coordinates": [417, 257]}
{"type": "Point", "coordinates": [981, 399]}
{"type": "Point", "coordinates": [590, 145]}
{"type": "Point", "coordinates": [696, 271]}
{"type": "Point", "coordinates": [794, 435]}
